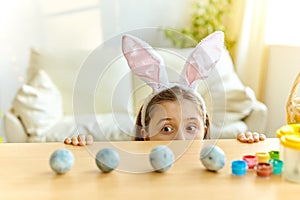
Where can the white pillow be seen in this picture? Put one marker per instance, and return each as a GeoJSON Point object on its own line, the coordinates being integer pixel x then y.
{"type": "Point", "coordinates": [38, 104]}
{"type": "Point", "coordinates": [62, 66]}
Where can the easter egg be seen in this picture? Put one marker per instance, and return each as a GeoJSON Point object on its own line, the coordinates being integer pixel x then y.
{"type": "Point", "coordinates": [61, 161]}
{"type": "Point", "coordinates": [213, 158]}
{"type": "Point", "coordinates": [107, 159]}
{"type": "Point", "coordinates": [161, 158]}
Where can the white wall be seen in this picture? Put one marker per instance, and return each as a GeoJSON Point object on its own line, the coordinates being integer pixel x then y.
{"type": "Point", "coordinates": [283, 65]}
{"type": "Point", "coordinates": [86, 24]}
{"type": "Point", "coordinates": [81, 24]}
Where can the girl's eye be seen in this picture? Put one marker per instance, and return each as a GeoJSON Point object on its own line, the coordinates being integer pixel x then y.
{"type": "Point", "coordinates": [167, 130]}
{"type": "Point", "coordinates": [191, 129]}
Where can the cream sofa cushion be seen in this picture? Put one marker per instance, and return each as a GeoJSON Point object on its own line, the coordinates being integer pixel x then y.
{"type": "Point", "coordinates": [103, 127]}
{"type": "Point", "coordinates": [62, 66]}
{"type": "Point", "coordinates": [37, 116]}
{"type": "Point", "coordinates": [38, 104]}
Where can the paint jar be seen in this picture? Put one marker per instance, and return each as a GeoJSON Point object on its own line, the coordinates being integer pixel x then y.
{"type": "Point", "coordinates": [290, 147]}
{"type": "Point", "coordinates": [262, 157]}
{"type": "Point", "coordinates": [251, 161]}
{"type": "Point", "coordinates": [277, 165]}
{"type": "Point", "coordinates": [286, 130]}
{"type": "Point", "coordinates": [274, 154]}
{"type": "Point", "coordinates": [264, 170]}
{"type": "Point", "coordinates": [239, 167]}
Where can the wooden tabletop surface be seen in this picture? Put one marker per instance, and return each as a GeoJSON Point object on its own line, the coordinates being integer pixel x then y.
{"type": "Point", "coordinates": [26, 174]}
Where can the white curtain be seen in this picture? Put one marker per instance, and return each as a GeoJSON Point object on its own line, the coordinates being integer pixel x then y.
{"type": "Point", "coordinates": [250, 49]}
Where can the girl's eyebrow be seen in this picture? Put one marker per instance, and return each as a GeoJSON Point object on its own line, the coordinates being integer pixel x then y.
{"type": "Point", "coordinates": [193, 118]}
{"type": "Point", "coordinates": [164, 119]}
{"type": "Point", "coordinates": [170, 119]}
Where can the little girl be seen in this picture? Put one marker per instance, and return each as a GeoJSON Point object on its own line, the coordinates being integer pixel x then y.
{"type": "Point", "coordinates": [175, 111]}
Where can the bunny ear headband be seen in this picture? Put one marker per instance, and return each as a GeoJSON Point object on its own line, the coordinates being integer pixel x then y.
{"type": "Point", "coordinates": [148, 65]}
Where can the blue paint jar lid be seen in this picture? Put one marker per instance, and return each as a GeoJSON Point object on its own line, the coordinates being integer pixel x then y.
{"type": "Point", "coordinates": [239, 167]}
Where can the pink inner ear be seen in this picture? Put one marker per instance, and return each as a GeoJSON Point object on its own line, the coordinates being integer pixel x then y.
{"type": "Point", "coordinates": [192, 74]}
{"type": "Point", "coordinates": [144, 61]}
{"type": "Point", "coordinates": [204, 57]}
{"type": "Point", "coordinates": [143, 64]}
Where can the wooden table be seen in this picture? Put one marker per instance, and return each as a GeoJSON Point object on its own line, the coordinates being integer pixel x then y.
{"type": "Point", "coordinates": [26, 174]}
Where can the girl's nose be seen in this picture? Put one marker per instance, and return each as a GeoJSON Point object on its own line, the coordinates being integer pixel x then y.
{"type": "Point", "coordinates": [180, 135]}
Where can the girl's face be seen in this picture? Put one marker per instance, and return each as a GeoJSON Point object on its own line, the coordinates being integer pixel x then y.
{"type": "Point", "coordinates": [172, 120]}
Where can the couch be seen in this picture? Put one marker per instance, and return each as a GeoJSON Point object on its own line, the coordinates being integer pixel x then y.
{"type": "Point", "coordinates": [93, 92]}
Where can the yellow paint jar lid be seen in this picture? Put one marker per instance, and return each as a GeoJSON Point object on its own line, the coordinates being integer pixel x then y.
{"type": "Point", "coordinates": [262, 157]}
{"type": "Point", "coordinates": [291, 141]}
{"type": "Point", "coordinates": [289, 129]}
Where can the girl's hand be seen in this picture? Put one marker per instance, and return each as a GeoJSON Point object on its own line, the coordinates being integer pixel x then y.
{"type": "Point", "coordinates": [80, 140]}
{"type": "Point", "coordinates": [251, 137]}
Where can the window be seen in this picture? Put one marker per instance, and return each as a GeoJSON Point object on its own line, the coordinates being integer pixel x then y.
{"type": "Point", "coordinates": [282, 25]}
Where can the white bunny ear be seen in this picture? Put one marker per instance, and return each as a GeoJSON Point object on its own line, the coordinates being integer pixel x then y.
{"type": "Point", "coordinates": [145, 62]}
{"type": "Point", "coordinates": [203, 58]}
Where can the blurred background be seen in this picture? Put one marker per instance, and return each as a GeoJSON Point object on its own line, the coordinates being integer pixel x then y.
{"type": "Point", "coordinates": [264, 37]}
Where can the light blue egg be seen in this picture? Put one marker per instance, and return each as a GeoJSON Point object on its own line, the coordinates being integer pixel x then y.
{"type": "Point", "coordinates": [107, 159]}
{"type": "Point", "coordinates": [61, 161]}
{"type": "Point", "coordinates": [213, 158]}
{"type": "Point", "coordinates": [161, 158]}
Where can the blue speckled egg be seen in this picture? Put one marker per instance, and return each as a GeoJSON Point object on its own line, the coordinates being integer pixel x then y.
{"type": "Point", "coordinates": [213, 158]}
{"type": "Point", "coordinates": [161, 158]}
{"type": "Point", "coordinates": [107, 159]}
{"type": "Point", "coordinates": [61, 161]}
